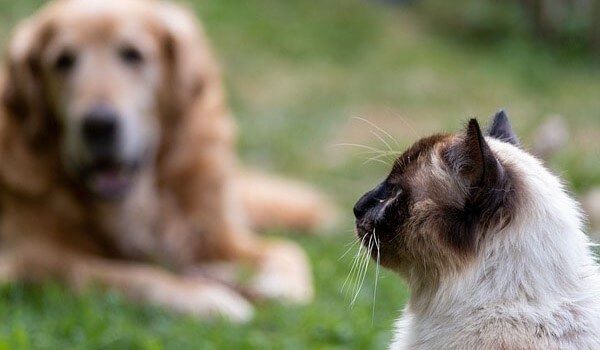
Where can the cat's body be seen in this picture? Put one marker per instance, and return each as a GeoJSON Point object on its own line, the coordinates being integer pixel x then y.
{"type": "Point", "coordinates": [503, 264]}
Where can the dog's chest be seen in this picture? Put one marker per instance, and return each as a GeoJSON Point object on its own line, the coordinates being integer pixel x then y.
{"type": "Point", "coordinates": [131, 226]}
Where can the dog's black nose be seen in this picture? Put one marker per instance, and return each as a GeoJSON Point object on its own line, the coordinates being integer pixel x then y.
{"type": "Point", "coordinates": [99, 129]}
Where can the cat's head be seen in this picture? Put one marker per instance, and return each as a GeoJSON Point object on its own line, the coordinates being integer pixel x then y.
{"type": "Point", "coordinates": [442, 197]}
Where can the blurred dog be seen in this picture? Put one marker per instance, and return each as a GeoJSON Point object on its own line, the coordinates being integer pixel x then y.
{"type": "Point", "coordinates": [117, 165]}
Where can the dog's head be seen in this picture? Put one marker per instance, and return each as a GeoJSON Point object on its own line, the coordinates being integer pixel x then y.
{"type": "Point", "coordinates": [102, 82]}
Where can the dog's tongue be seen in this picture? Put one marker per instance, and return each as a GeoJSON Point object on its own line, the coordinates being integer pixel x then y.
{"type": "Point", "coordinates": [109, 183]}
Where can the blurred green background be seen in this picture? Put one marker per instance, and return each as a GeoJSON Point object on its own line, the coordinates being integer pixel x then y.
{"type": "Point", "coordinates": [300, 75]}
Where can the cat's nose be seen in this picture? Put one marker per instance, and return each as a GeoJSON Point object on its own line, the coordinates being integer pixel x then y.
{"type": "Point", "coordinates": [367, 201]}
{"type": "Point", "coordinates": [361, 207]}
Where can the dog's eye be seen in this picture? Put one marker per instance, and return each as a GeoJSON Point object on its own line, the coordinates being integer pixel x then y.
{"type": "Point", "coordinates": [65, 61]}
{"type": "Point", "coordinates": [131, 55]}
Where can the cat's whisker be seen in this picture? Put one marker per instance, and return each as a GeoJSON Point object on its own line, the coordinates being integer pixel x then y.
{"type": "Point", "coordinates": [376, 274]}
{"type": "Point", "coordinates": [355, 270]}
{"type": "Point", "coordinates": [396, 236]}
{"type": "Point", "coordinates": [350, 246]}
{"type": "Point", "coordinates": [390, 157]}
{"type": "Point", "coordinates": [354, 266]}
{"type": "Point", "coordinates": [358, 145]}
{"type": "Point", "coordinates": [350, 276]}
{"type": "Point", "coordinates": [382, 154]}
{"type": "Point", "coordinates": [404, 121]}
{"type": "Point", "coordinates": [378, 152]}
{"type": "Point", "coordinates": [382, 141]}
{"type": "Point", "coordinates": [375, 159]}
{"type": "Point", "coordinates": [380, 129]}
{"type": "Point", "coordinates": [363, 270]}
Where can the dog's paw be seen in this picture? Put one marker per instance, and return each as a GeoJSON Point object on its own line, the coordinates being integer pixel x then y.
{"type": "Point", "coordinates": [224, 302]}
{"type": "Point", "coordinates": [205, 300]}
{"type": "Point", "coordinates": [284, 274]}
{"type": "Point", "coordinates": [6, 270]}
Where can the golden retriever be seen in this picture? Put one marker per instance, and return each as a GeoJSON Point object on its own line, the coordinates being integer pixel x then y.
{"type": "Point", "coordinates": [117, 165]}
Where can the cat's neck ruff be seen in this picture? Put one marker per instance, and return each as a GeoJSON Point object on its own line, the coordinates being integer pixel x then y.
{"type": "Point", "coordinates": [537, 271]}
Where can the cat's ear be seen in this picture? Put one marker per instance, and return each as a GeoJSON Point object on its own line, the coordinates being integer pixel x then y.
{"type": "Point", "coordinates": [486, 186]}
{"type": "Point", "coordinates": [473, 160]}
{"type": "Point", "coordinates": [502, 130]}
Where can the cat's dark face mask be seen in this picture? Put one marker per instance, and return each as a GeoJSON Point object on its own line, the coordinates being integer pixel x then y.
{"type": "Point", "coordinates": [382, 213]}
{"type": "Point", "coordinates": [379, 216]}
{"type": "Point", "coordinates": [380, 209]}
{"type": "Point", "coordinates": [413, 214]}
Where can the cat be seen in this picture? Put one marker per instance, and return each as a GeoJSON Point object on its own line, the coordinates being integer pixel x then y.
{"type": "Point", "coordinates": [490, 244]}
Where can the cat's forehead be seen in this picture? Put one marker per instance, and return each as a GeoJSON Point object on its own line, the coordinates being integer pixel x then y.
{"type": "Point", "coordinates": [423, 147]}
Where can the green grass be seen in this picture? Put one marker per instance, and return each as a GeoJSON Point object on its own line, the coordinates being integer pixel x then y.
{"type": "Point", "coordinates": [297, 73]}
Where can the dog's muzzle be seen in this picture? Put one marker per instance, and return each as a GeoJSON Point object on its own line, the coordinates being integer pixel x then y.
{"type": "Point", "coordinates": [100, 132]}
{"type": "Point", "coordinates": [105, 173]}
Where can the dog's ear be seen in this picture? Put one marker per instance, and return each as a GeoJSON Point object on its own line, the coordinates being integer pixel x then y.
{"type": "Point", "coordinates": [192, 74]}
{"type": "Point", "coordinates": [21, 93]}
{"type": "Point", "coordinates": [192, 99]}
{"type": "Point", "coordinates": [27, 126]}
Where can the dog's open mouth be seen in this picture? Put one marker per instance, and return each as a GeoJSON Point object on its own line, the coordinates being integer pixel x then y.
{"type": "Point", "coordinates": [109, 179]}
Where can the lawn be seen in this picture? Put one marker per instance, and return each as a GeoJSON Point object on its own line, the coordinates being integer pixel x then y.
{"type": "Point", "coordinates": [300, 76]}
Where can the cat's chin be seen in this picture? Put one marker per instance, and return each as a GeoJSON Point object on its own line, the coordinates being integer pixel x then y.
{"type": "Point", "coordinates": [377, 248]}
{"type": "Point", "coordinates": [363, 232]}
{"type": "Point", "coordinates": [367, 236]}
{"type": "Point", "coordinates": [371, 233]}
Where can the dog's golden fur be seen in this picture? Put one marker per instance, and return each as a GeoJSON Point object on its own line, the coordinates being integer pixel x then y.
{"type": "Point", "coordinates": [189, 206]}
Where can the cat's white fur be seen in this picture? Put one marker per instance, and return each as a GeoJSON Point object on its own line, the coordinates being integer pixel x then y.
{"type": "Point", "coordinates": [534, 285]}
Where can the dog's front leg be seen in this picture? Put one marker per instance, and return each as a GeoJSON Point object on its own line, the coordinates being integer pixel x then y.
{"type": "Point", "coordinates": [138, 282]}
{"type": "Point", "coordinates": [283, 272]}
{"type": "Point", "coordinates": [280, 270]}
{"type": "Point", "coordinates": [7, 269]}
{"type": "Point", "coordinates": [201, 297]}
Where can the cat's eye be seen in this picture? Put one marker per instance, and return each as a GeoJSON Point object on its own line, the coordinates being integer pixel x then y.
{"type": "Point", "coordinates": [387, 191]}
{"type": "Point", "coordinates": [65, 61]}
